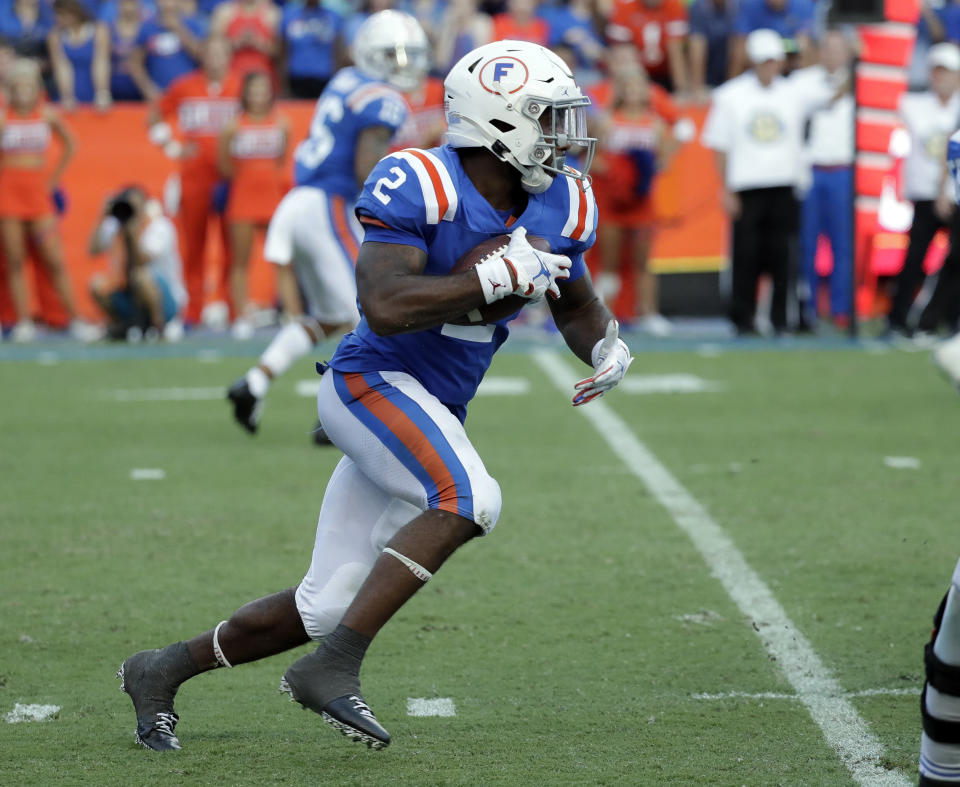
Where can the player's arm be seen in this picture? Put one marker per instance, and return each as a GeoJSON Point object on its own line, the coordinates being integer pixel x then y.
{"type": "Point", "coordinates": [591, 332]}
{"type": "Point", "coordinates": [372, 144]}
{"type": "Point", "coordinates": [397, 298]}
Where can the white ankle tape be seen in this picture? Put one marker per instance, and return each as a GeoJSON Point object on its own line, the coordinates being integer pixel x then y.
{"type": "Point", "coordinates": [217, 650]}
{"type": "Point", "coordinates": [416, 569]}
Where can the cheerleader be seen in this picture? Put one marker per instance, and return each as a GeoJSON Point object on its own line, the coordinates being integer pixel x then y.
{"type": "Point", "coordinates": [27, 215]}
{"type": "Point", "coordinates": [252, 153]}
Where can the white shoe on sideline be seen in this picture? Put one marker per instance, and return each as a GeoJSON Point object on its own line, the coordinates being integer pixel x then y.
{"type": "Point", "coordinates": [85, 331]}
{"type": "Point", "coordinates": [173, 331]}
{"type": "Point", "coordinates": [947, 359]}
{"type": "Point", "coordinates": [242, 329]}
{"type": "Point", "coordinates": [655, 324]}
{"type": "Point", "coordinates": [23, 332]}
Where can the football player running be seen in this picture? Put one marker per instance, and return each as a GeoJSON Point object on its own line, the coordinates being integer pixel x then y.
{"type": "Point", "coordinates": [313, 237]}
{"type": "Point", "coordinates": [411, 489]}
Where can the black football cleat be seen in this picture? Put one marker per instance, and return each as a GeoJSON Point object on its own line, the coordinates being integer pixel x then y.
{"type": "Point", "coordinates": [348, 714]}
{"type": "Point", "coordinates": [152, 701]}
{"type": "Point", "coordinates": [320, 436]}
{"type": "Point", "coordinates": [246, 406]}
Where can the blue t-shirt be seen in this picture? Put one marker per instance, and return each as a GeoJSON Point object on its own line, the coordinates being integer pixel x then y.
{"type": "Point", "coordinates": [81, 59]}
{"type": "Point", "coordinates": [28, 41]}
{"type": "Point", "coordinates": [166, 59]}
{"type": "Point", "coordinates": [446, 221]}
{"type": "Point", "coordinates": [796, 17]}
{"type": "Point", "coordinates": [310, 35]}
{"type": "Point", "coordinates": [569, 29]}
{"type": "Point", "coordinates": [716, 25]}
{"type": "Point", "coordinates": [122, 86]}
{"type": "Point", "coordinates": [109, 10]}
{"type": "Point", "coordinates": [350, 103]}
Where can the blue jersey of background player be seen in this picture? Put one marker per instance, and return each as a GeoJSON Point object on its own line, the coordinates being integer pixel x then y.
{"type": "Point", "coordinates": [425, 199]}
{"type": "Point", "coordinates": [351, 102]}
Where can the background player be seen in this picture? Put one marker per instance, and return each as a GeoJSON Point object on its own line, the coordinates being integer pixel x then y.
{"type": "Point", "coordinates": [411, 489]}
{"type": "Point", "coordinates": [27, 215]}
{"type": "Point", "coordinates": [252, 154]}
{"type": "Point", "coordinates": [200, 104]}
{"type": "Point", "coordinates": [313, 238]}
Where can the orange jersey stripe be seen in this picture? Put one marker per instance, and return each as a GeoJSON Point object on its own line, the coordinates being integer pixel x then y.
{"type": "Point", "coordinates": [399, 423]}
{"type": "Point", "coordinates": [442, 200]}
{"type": "Point", "coordinates": [342, 226]}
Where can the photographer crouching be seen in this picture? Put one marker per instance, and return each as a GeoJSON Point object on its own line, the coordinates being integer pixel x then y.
{"type": "Point", "coordinates": [146, 293]}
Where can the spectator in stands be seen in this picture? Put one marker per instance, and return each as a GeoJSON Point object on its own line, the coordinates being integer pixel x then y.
{"type": "Point", "coordinates": [930, 118]}
{"type": "Point", "coordinates": [658, 28]}
{"type": "Point", "coordinates": [362, 10]}
{"type": "Point", "coordinates": [520, 23]}
{"type": "Point", "coordinates": [463, 28]}
{"type": "Point", "coordinates": [118, 36]}
{"type": "Point", "coordinates": [792, 19]}
{"type": "Point", "coordinates": [573, 24]}
{"type": "Point", "coordinates": [71, 46]}
{"type": "Point", "coordinates": [200, 104]}
{"type": "Point", "coordinates": [943, 22]}
{"type": "Point", "coordinates": [755, 127]}
{"type": "Point", "coordinates": [252, 28]}
{"type": "Point", "coordinates": [145, 292]}
{"type": "Point", "coordinates": [635, 144]}
{"type": "Point", "coordinates": [168, 46]}
{"type": "Point", "coordinates": [27, 23]}
{"type": "Point", "coordinates": [312, 46]}
{"type": "Point", "coordinates": [828, 206]}
{"type": "Point", "coordinates": [26, 204]}
{"type": "Point", "coordinates": [251, 154]}
{"type": "Point", "coordinates": [712, 25]}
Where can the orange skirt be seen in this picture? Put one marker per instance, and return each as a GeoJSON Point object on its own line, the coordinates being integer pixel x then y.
{"type": "Point", "coordinates": [255, 194]}
{"type": "Point", "coordinates": [24, 194]}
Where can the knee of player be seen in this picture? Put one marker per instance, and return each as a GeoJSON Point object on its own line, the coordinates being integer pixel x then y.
{"type": "Point", "coordinates": [322, 604]}
{"type": "Point", "coordinates": [484, 502]}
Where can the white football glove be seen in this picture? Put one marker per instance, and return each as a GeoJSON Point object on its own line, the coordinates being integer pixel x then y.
{"type": "Point", "coordinates": [611, 359]}
{"type": "Point", "coordinates": [522, 270]}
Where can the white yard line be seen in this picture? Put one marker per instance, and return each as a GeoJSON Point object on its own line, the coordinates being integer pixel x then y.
{"type": "Point", "coordinates": [433, 706]}
{"type": "Point", "coordinates": [28, 712]}
{"type": "Point", "coordinates": [816, 687]}
{"type": "Point", "coordinates": [777, 695]}
{"type": "Point", "coordinates": [165, 394]}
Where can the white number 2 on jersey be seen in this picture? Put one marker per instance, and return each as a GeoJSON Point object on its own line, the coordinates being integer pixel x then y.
{"type": "Point", "coordinates": [313, 150]}
{"type": "Point", "coordinates": [400, 177]}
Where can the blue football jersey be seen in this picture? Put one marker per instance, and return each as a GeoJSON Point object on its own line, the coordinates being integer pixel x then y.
{"type": "Point", "coordinates": [423, 198]}
{"type": "Point", "coordinates": [953, 163]}
{"type": "Point", "coordinates": [348, 105]}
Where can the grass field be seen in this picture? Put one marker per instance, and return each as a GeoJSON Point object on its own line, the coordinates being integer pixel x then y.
{"type": "Point", "coordinates": [576, 643]}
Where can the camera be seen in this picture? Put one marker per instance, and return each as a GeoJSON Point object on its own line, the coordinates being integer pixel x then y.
{"type": "Point", "coordinates": [121, 206]}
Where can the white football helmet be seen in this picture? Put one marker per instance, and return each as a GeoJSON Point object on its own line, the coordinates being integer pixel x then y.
{"type": "Point", "coordinates": [519, 101]}
{"type": "Point", "coordinates": [391, 46]}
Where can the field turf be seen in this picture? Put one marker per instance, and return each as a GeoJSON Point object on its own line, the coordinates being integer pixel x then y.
{"type": "Point", "coordinates": [576, 641]}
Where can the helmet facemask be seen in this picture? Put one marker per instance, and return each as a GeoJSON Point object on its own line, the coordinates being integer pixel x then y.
{"type": "Point", "coordinates": [563, 125]}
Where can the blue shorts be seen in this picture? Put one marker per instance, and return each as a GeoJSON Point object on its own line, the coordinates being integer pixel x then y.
{"type": "Point", "coordinates": [127, 310]}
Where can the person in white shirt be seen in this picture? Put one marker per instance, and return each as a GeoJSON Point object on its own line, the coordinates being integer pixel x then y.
{"type": "Point", "coordinates": [151, 293]}
{"type": "Point", "coordinates": [828, 205]}
{"type": "Point", "coordinates": [755, 127]}
{"type": "Point", "coordinates": [929, 118]}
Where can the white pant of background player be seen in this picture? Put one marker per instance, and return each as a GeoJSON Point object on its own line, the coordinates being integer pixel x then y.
{"type": "Point", "coordinates": [318, 234]}
{"type": "Point", "coordinates": [404, 453]}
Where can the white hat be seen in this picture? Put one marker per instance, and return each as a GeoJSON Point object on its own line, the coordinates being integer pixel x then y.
{"type": "Point", "coordinates": [763, 45]}
{"type": "Point", "coordinates": [944, 55]}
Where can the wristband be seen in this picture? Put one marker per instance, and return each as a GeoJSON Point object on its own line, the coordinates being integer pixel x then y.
{"type": "Point", "coordinates": [494, 275]}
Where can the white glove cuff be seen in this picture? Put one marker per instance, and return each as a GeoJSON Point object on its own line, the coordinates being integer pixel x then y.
{"type": "Point", "coordinates": [494, 275]}
{"type": "Point", "coordinates": [595, 352]}
{"type": "Point", "coordinates": [160, 134]}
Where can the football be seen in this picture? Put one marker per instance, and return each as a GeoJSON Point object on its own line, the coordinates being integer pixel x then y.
{"type": "Point", "coordinates": [505, 307]}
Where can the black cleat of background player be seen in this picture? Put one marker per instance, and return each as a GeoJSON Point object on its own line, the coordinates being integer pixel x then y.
{"type": "Point", "coordinates": [246, 406]}
{"type": "Point", "coordinates": [320, 436]}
